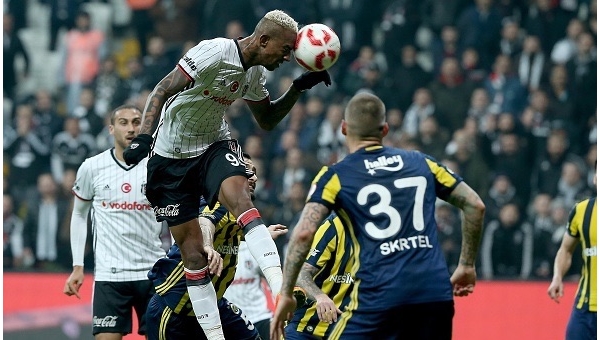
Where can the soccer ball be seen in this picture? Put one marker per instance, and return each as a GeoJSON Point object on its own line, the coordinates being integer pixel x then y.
{"type": "Point", "coordinates": [317, 47]}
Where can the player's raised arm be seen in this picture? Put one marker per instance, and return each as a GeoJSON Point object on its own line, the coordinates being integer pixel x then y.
{"type": "Point", "coordinates": [473, 211]}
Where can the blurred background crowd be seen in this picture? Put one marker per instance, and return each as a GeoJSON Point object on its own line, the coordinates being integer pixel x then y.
{"type": "Point", "coordinates": [502, 92]}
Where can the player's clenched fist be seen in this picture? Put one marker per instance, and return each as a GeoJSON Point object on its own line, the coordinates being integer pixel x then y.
{"type": "Point", "coordinates": [138, 150]}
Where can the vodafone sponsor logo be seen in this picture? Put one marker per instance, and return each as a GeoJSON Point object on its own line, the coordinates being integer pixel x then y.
{"type": "Point", "coordinates": [126, 205]}
{"type": "Point", "coordinates": [243, 281]}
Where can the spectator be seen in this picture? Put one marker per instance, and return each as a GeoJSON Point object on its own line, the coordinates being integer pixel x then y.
{"type": "Point", "coordinates": [108, 87]}
{"type": "Point", "coordinates": [446, 46]}
{"type": "Point", "coordinates": [513, 159]}
{"type": "Point", "coordinates": [432, 138]}
{"type": "Point", "coordinates": [46, 218]}
{"type": "Point", "coordinates": [26, 154]}
{"type": "Point", "coordinates": [511, 40]}
{"type": "Point", "coordinates": [331, 147]}
{"type": "Point", "coordinates": [13, 48]}
{"type": "Point", "coordinates": [505, 90]}
{"type": "Point", "coordinates": [531, 65]}
{"type": "Point", "coordinates": [545, 21]}
{"type": "Point", "coordinates": [421, 108]}
{"type": "Point", "coordinates": [449, 232]}
{"type": "Point", "coordinates": [538, 120]}
{"type": "Point", "coordinates": [395, 119]}
{"type": "Point", "coordinates": [479, 109]}
{"type": "Point", "coordinates": [507, 246]}
{"type": "Point", "coordinates": [48, 123]}
{"type": "Point", "coordinates": [70, 148]}
{"type": "Point", "coordinates": [155, 62]}
{"type": "Point", "coordinates": [137, 79]}
{"type": "Point", "coordinates": [15, 254]}
{"type": "Point", "coordinates": [240, 121]}
{"type": "Point", "coordinates": [141, 19]}
{"type": "Point", "coordinates": [560, 97]}
{"type": "Point", "coordinates": [471, 65]}
{"type": "Point", "coordinates": [451, 94]}
{"type": "Point", "coordinates": [572, 186]}
{"type": "Point", "coordinates": [62, 15]}
{"type": "Point", "coordinates": [437, 14]}
{"type": "Point", "coordinates": [479, 26]}
{"type": "Point", "coordinates": [539, 217]}
{"type": "Point", "coordinates": [289, 213]}
{"type": "Point", "coordinates": [90, 121]}
{"type": "Point", "coordinates": [463, 150]}
{"type": "Point", "coordinates": [501, 193]}
{"type": "Point", "coordinates": [294, 170]}
{"type": "Point", "coordinates": [566, 48]}
{"type": "Point", "coordinates": [399, 24]}
{"type": "Point", "coordinates": [401, 90]}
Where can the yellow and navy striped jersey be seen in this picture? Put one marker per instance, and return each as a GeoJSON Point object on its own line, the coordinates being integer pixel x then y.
{"type": "Point", "coordinates": [386, 197]}
{"type": "Point", "coordinates": [167, 273]}
{"type": "Point", "coordinates": [332, 254]}
{"type": "Point", "coordinates": [583, 224]}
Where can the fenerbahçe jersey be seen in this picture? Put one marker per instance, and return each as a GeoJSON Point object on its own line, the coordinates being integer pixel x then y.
{"type": "Point", "coordinates": [583, 224]}
{"type": "Point", "coordinates": [194, 118]}
{"type": "Point", "coordinates": [126, 236]}
{"type": "Point", "coordinates": [332, 253]}
{"type": "Point", "coordinates": [386, 196]}
{"type": "Point", "coordinates": [168, 275]}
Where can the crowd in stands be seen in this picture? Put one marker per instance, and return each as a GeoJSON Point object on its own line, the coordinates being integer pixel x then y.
{"type": "Point", "coordinates": [503, 92]}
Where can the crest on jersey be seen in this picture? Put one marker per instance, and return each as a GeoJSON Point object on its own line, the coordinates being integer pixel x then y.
{"type": "Point", "coordinates": [126, 187]}
{"type": "Point", "coordinates": [249, 264]}
{"type": "Point", "coordinates": [143, 190]}
{"type": "Point", "coordinates": [234, 86]}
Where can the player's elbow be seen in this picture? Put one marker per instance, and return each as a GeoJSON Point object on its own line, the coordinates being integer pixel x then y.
{"type": "Point", "coordinates": [304, 236]}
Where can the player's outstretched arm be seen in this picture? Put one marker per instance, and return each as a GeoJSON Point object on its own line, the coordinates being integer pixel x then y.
{"type": "Point", "coordinates": [326, 308]}
{"type": "Point", "coordinates": [562, 263]}
{"type": "Point", "coordinates": [269, 113]}
{"type": "Point", "coordinates": [298, 247]}
{"type": "Point", "coordinates": [473, 211]}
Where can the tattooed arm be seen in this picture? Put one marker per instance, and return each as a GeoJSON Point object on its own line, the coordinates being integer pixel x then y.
{"type": "Point", "coordinates": [269, 113]}
{"type": "Point", "coordinates": [473, 210]}
{"type": "Point", "coordinates": [300, 242]}
{"type": "Point", "coordinates": [306, 281]}
{"type": "Point", "coordinates": [171, 84]}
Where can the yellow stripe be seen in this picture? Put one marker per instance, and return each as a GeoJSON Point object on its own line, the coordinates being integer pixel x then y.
{"type": "Point", "coordinates": [184, 299]}
{"type": "Point", "coordinates": [171, 280]}
{"type": "Point", "coordinates": [331, 189]}
{"type": "Point", "coordinates": [353, 304]}
{"type": "Point", "coordinates": [164, 321]}
{"type": "Point", "coordinates": [441, 174]}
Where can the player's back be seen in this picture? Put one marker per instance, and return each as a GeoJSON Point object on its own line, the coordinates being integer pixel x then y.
{"type": "Point", "coordinates": [388, 196]}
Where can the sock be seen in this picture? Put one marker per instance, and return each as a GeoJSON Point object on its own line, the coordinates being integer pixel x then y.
{"type": "Point", "coordinates": [262, 247]}
{"type": "Point", "coordinates": [204, 302]}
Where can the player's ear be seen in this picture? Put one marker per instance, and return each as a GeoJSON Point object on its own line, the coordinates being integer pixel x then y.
{"type": "Point", "coordinates": [385, 129]}
{"type": "Point", "coordinates": [344, 127]}
{"type": "Point", "coordinates": [263, 40]}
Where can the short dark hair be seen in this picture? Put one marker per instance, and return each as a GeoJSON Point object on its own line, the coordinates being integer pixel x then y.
{"type": "Point", "coordinates": [122, 107]}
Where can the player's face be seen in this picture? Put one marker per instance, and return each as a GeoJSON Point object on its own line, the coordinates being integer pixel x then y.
{"type": "Point", "coordinates": [126, 126]}
{"type": "Point", "coordinates": [278, 49]}
{"type": "Point", "coordinates": [252, 180]}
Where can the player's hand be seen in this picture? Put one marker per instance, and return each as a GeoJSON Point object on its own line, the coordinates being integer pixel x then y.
{"type": "Point", "coordinates": [284, 309]}
{"type": "Point", "coordinates": [215, 262]}
{"type": "Point", "coordinates": [326, 309]}
{"type": "Point", "coordinates": [74, 282]}
{"type": "Point", "coordinates": [556, 290]}
{"type": "Point", "coordinates": [463, 280]}
{"type": "Point", "coordinates": [307, 80]}
{"type": "Point", "coordinates": [138, 149]}
{"type": "Point", "coordinates": [277, 230]}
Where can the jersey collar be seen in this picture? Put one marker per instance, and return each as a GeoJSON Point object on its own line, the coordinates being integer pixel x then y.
{"type": "Point", "coordinates": [241, 55]}
{"type": "Point", "coordinates": [119, 163]}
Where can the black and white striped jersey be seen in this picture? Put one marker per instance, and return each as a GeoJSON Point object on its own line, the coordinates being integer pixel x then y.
{"type": "Point", "coordinates": [195, 118]}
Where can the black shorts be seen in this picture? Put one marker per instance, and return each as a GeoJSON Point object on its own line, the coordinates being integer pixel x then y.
{"type": "Point", "coordinates": [175, 186]}
{"type": "Point", "coordinates": [112, 304]}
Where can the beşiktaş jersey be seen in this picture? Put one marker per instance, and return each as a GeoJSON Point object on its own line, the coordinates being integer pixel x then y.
{"type": "Point", "coordinates": [195, 118]}
{"type": "Point", "coordinates": [386, 196]}
{"type": "Point", "coordinates": [168, 274]}
{"type": "Point", "coordinates": [126, 236]}
{"type": "Point", "coordinates": [332, 253]}
{"type": "Point", "coordinates": [246, 291]}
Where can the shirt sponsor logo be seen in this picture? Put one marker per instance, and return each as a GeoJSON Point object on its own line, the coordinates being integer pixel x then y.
{"type": "Point", "coordinates": [169, 210]}
{"type": "Point", "coordinates": [226, 249]}
{"type": "Point", "coordinates": [243, 281]}
{"type": "Point", "coordinates": [107, 321]}
{"type": "Point", "coordinates": [401, 244]}
{"type": "Point", "coordinates": [393, 163]}
{"type": "Point", "coordinates": [222, 100]}
{"type": "Point", "coordinates": [271, 253]}
{"type": "Point", "coordinates": [127, 205]}
{"type": "Point", "coordinates": [314, 252]}
{"type": "Point", "coordinates": [345, 278]}
{"type": "Point", "coordinates": [190, 63]}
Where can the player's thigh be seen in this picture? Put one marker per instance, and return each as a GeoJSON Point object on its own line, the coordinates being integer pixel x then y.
{"type": "Point", "coordinates": [172, 188]}
{"type": "Point", "coordinates": [111, 308]}
{"type": "Point", "coordinates": [582, 325]}
{"type": "Point", "coordinates": [264, 328]}
{"type": "Point", "coordinates": [163, 324]}
{"type": "Point", "coordinates": [235, 323]}
{"type": "Point", "coordinates": [221, 161]}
